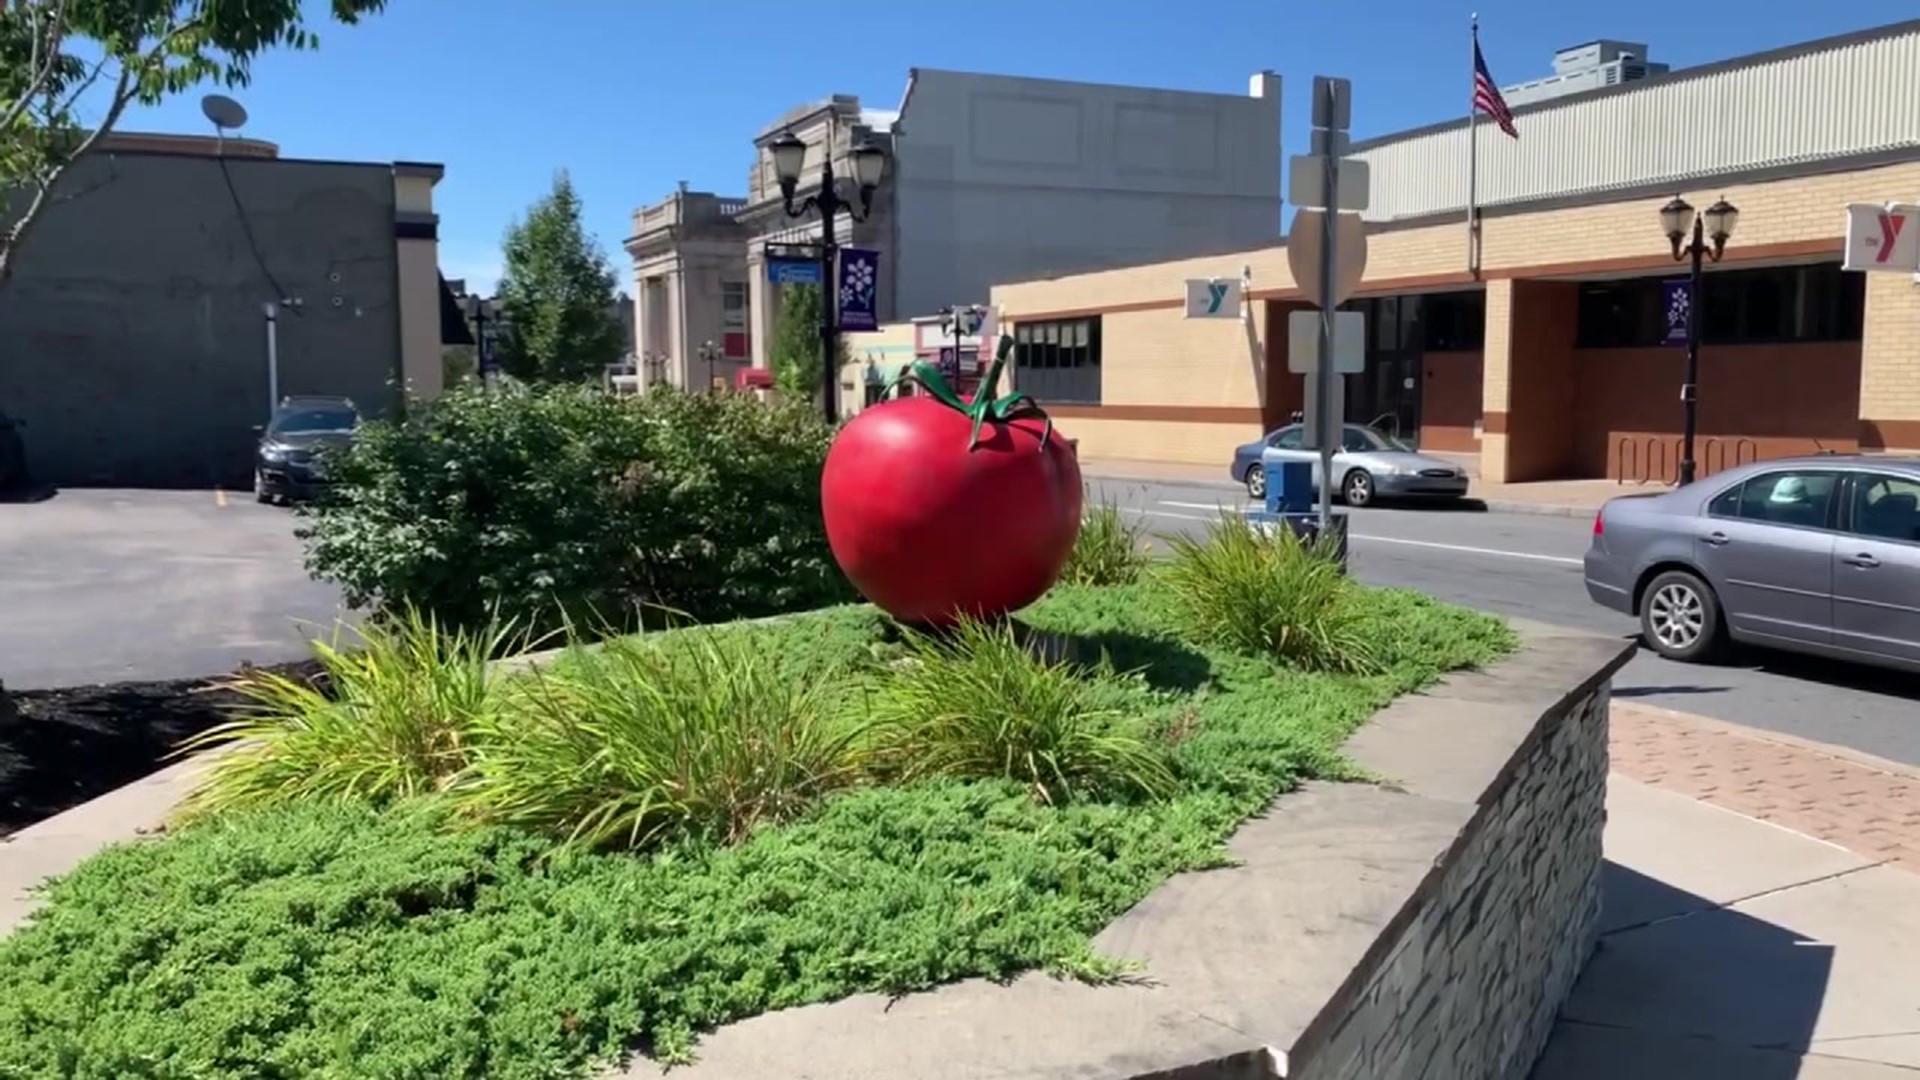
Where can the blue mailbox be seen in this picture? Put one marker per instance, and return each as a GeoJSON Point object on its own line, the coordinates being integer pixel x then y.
{"type": "Point", "coordinates": [1289, 486]}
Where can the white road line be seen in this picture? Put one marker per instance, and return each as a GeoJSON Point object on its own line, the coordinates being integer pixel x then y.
{"type": "Point", "coordinates": [1464, 549]}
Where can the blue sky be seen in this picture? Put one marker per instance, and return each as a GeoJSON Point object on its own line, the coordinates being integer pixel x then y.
{"type": "Point", "coordinates": [632, 96]}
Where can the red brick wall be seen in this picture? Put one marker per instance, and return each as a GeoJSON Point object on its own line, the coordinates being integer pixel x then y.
{"type": "Point", "coordinates": [1450, 401]}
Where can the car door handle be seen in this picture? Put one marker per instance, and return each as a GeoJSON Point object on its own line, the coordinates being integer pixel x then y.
{"type": "Point", "coordinates": [1717, 539]}
{"type": "Point", "coordinates": [1863, 560]}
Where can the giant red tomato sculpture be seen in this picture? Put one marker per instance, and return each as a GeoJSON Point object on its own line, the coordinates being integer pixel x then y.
{"type": "Point", "coordinates": [938, 508]}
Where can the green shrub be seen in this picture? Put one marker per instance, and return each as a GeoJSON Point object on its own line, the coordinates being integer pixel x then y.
{"type": "Point", "coordinates": [565, 504]}
{"type": "Point", "coordinates": [1268, 593]}
{"type": "Point", "coordinates": [633, 743]}
{"type": "Point", "coordinates": [1110, 550]}
{"type": "Point", "coordinates": [976, 703]}
{"type": "Point", "coordinates": [404, 707]}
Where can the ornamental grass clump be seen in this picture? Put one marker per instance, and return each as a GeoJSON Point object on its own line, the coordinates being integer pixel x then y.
{"type": "Point", "coordinates": [406, 699]}
{"type": "Point", "coordinates": [639, 742]}
{"type": "Point", "coordinates": [1110, 550]}
{"type": "Point", "coordinates": [974, 702]}
{"type": "Point", "coordinates": [1269, 593]}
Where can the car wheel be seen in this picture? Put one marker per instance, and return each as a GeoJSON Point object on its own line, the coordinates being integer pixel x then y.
{"type": "Point", "coordinates": [1680, 617]}
{"type": "Point", "coordinates": [260, 493]}
{"type": "Point", "coordinates": [1357, 488]}
{"type": "Point", "coordinates": [1257, 481]}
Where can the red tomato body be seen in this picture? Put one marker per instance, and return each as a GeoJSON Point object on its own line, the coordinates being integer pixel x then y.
{"type": "Point", "coordinates": [929, 530]}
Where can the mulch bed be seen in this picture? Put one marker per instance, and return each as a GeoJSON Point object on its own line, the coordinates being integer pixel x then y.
{"type": "Point", "coordinates": [60, 748]}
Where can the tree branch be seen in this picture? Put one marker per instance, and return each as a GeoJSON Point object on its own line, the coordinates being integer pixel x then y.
{"type": "Point", "coordinates": [42, 67]}
{"type": "Point", "coordinates": [43, 188]}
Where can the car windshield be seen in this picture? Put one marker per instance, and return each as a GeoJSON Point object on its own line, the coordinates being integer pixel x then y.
{"type": "Point", "coordinates": [313, 421]}
{"type": "Point", "coordinates": [1390, 442]}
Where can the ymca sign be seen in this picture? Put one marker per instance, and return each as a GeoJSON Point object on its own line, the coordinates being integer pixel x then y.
{"type": "Point", "coordinates": [1213, 298]}
{"type": "Point", "coordinates": [1883, 237]}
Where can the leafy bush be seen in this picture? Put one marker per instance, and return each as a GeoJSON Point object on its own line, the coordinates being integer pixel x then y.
{"type": "Point", "coordinates": [544, 506]}
{"type": "Point", "coordinates": [1110, 550]}
{"type": "Point", "coordinates": [404, 708]}
{"type": "Point", "coordinates": [634, 742]}
{"type": "Point", "coordinates": [977, 703]}
{"type": "Point", "coordinates": [1268, 593]}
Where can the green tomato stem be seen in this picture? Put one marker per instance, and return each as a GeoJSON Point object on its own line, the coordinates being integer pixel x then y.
{"type": "Point", "coordinates": [984, 407]}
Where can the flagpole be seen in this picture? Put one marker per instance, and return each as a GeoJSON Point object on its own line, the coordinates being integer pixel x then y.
{"type": "Point", "coordinates": [1473, 149]}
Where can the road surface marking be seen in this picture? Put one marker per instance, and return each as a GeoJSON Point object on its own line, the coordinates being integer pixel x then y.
{"type": "Point", "coordinates": [1464, 549]}
{"type": "Point", "coordinates": [219, 497]}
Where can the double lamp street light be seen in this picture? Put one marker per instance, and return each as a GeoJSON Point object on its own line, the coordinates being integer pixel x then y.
{"type": "Point", "coordinates": [869, 162]}
{"type": "Point", "coordinates": [1711, 229]}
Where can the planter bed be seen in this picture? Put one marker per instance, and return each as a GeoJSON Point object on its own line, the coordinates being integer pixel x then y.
{"type": "Point", "coordinates": [333, 938]}
{"type": "Point", "coordinates": [62, 747]}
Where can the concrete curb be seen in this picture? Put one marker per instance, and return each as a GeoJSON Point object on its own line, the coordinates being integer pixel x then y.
{"type": "Point", "coordinates": [1742, 731]}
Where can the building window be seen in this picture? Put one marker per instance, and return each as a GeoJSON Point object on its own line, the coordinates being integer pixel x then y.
{"type": "Point", "coordinates": [1455, 322]}
{"type": "Point", "coordinates": [1738, 307]}
{"type": "Point", "coordinates": [1058, 361]}
{"type": "Point", "coordinates": [733, 319]}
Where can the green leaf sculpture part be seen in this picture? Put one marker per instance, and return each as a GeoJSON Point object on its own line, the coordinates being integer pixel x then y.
{"type": "Point", "coordinates": [984, 406]}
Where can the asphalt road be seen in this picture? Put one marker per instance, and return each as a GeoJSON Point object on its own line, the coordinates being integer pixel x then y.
{"type": "Point", "coordinates": [1528, 566]}
{"type": "Point", "coordinates": [110, 586]}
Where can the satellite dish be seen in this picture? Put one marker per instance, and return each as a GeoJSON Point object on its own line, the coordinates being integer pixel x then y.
{"type": "Point", "coordinates": [226, 113]}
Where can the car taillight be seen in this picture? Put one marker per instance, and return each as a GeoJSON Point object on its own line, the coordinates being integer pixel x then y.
{"type": "Point", "coordinates": [1599, 522]}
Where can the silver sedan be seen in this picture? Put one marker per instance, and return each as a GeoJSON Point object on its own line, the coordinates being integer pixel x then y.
{"type": "Point", "coordinates": [1370, 464]}
{"type": "Point", "coordinates": [1817, 555]}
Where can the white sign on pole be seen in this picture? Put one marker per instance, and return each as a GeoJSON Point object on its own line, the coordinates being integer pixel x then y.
{"type": "Point", "coordinates": [1349, 342]}
{"type": "Point", "coordinates": [1213, 298]}
{"type": "Point", "coordinates": [1307, 182]}
{"type": "Point", "coordinates": [1305, 244]}
{"type": "Point", "coordinates": [1883, 237]}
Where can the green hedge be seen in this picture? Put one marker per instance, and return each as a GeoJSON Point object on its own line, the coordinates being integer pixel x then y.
{"type": "Point", "coordinates": [566, 502]}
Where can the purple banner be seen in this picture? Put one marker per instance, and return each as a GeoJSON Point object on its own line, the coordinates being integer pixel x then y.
{"type": "Point", "coordinates": [859, 289]}
{"type": "Point", "coordinates": [1676, 301]}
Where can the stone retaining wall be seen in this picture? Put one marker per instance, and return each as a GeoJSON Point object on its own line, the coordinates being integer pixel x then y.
{"type": "Point", "coordinates": [1469, 983]}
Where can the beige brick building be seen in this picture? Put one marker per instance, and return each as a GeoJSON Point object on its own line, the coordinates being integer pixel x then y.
{"type": "Point", "coordinates": [1551, 357]}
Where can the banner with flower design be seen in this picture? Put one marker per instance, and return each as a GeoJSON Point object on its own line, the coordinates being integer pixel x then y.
{"type": "Point", "coordinates": [859, 289]}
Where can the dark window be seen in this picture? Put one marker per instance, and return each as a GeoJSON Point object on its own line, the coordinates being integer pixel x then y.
{"type": "Point", "coordinates": [1455, 322]}
{"type": "Point", "coordinates": [1058, 360]}
{"type": "Point", "coordinates": [1887, 507]}
{"type": "Point", "coordinates": [1358, 441]}
{"type": "Point", "coordinates": [307, 421]}
{"type": "Point", "coordinates": [1287, 438]}
{"type": "Point", "coordinates": [1800, 499]}
{"type": "Point", "coordinates": [1737, 307]}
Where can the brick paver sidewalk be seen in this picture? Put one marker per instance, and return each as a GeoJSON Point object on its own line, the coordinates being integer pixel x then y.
{"type": "Point", "coordinates": [1867, 805]}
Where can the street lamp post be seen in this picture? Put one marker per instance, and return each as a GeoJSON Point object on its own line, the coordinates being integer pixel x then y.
{"type": "Point", "coordinates": [1711, 229]}
{"type": "Point", "coordinates": [710, 353]}
{"type": "Point", "coordinates": [869, 161]}
{"type": "Point", "coordinates": [480, 310]}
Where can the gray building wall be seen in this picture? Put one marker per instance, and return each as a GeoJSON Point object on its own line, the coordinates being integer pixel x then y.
{"type": "Point", "coordinates": [132, 339]}
{"type": "Point", "coordinates": [999, 179]}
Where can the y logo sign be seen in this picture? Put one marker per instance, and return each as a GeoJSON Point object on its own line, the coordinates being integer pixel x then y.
{"type": "Point", "coordinates": [1890, 226]}
{"type": "Point", "coordinates": [1217, 290]}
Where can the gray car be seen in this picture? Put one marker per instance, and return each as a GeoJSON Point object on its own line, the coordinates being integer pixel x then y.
{"type": "Point", "coordinates": [1816, 555]}
{"type": "Point", "coordinates": [1369, 465]}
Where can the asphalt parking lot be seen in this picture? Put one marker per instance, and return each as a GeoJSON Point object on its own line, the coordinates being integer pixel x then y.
{"type": "Point", "coordinates": [102, 586]}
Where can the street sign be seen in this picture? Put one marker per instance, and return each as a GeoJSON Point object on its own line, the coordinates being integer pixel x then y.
{"type": "Point", "coordinates": [1329, 144]}
{"type": "Point", "coordinates": [1332, 103]}
{"type": "Point", "coordinates": [1349, 342]}
{"type": "Point", "coordinates": [788, 270]}
{"type": "Point", "coordinates": [1213, 298]}
{"type": "Point", "coordinates": [1883, 238]}
{"type": "Point", "coordinates": [1305, 244]}
{"type": "Point", "coordinates": [1337, 391]}
{"type": "Point", "coordinates": [1307, 182]}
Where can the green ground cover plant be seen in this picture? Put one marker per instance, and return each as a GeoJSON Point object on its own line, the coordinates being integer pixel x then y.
{"type": "Point", "coordinates": [802, 809]}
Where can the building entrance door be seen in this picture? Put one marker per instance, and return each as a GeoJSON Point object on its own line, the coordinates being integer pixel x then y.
{"type": "Point", "coordinates": [1387, 394]}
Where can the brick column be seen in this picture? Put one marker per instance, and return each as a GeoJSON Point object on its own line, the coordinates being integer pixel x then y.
{"type": "Point", "coordinates": [1495, 381]}
{"type": "Point", "coordinates": [1890, 364]}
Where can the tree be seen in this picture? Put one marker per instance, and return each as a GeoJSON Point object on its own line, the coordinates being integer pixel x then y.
{"type": "Point", "coordinates": [55, 52]}
{"type": "Point", "coordinates": [558, 320]}
{"type": "Point", "coordinates": [795, 354]}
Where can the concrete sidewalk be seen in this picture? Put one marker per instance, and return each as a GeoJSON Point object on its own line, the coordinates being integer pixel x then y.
{"type": "Point", "coordinates": [1560, 498]}
{"type": "Point", "coordinates": [1739, 949]}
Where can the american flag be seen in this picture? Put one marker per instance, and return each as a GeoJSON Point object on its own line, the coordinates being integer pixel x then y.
{"type": "Point", "coordinates": [1486, 95]}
